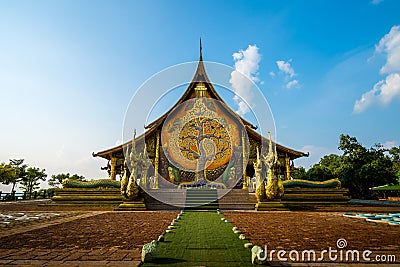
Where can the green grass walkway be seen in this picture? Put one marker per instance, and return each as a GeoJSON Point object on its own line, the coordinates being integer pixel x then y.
{"type": "Point", "coordinates": [202, 239]}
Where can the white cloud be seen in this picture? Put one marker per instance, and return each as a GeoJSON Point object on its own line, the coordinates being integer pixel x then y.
{"type": "Point", "coordinates": [366, 100]}
{"type": "Point", "coordinates": [243, 108]}
{"type": "Point", "coordinates": [389, 144]}
{"type": "Point", "coordinates": [294, 83]}
{"type": "Point", "coordinates": [390, 45]}
{"type": "Point", "coordinates": [390, 89]}
{"type": "Point", "coordinates": [246, 61]}
{"type": "Point", "coordinates": [376, 2]}
{"type": "Point", "coordinates": [286, 68]}
{"type": "Point", "coordinates": [246, 70]}
{"type": "Point", "coordinates": [384, 91]}
{"type": "Point", "coordinates": [272, 74]}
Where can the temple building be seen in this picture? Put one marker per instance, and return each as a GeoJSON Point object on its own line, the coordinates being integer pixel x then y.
{"type": "Point", "coordinates": [180, 142]}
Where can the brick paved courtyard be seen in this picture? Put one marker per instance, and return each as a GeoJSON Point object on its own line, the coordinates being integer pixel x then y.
{"type": "Point", "coordinates": [87, 236]}
{"type": "Point", "coordinates": [288, 230]}
{"type": "Point", "coordinates": [90, 236]}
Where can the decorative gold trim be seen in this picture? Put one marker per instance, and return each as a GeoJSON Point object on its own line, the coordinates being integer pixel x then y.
{"type": "Point", "coordinates": [245, 186]}
{"type": "Point", "coordinates": [200, 90]}
{"type": "Point", "coordinates": [209, 184]}
{"type": "Point", "coordinates": [287, 161]}
{"type": "Point", "coordinates": [156, 160]}
{"type": "Point", "coordinates": [113, 173]}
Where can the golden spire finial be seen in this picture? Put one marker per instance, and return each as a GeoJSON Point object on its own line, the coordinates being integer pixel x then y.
{"type": "Point", "coordinates": [270, 143]}
{"type": "Point", "coordinates": [133, 149]}
{"type": "Point", "coordinates": [200, 90]}
{"type": "Point", "coordinates": [201, 51]}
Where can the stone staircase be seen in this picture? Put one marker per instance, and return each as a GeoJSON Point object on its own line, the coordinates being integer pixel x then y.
{"type": "Point", "coordinates": [87, 196]}
{"type": "Point", "coordinates": [166, 199]}
{"type": "Point", "coordinates": [236, 199]}
{"type": "Point", "coordinates": [224, 199]}
{"type": "Point", "coordinates": [201, 199]}
{"type": "Point", "coordinates": [305, 197]}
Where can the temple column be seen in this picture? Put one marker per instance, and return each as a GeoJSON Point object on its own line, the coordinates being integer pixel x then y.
{"type": "Point", "coordinates": [156, 160]}
{"type": "Point", "coordinates": [113, 173]}
{"type": "Point", "coordinates": [143, 179]}
{"type": "Point", "coordinates": [287, 161]}
{"type": "Point", "coordinates": [245, 185]}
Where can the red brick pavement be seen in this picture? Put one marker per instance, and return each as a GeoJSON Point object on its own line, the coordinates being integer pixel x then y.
{"type": "Point", "coordinates": [288, 230]}
{"type": "Point", "coordinates": [89, 239]}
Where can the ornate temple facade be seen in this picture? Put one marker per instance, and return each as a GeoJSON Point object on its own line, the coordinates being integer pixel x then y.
{"type": "Point", "coordinates": [179, 160]}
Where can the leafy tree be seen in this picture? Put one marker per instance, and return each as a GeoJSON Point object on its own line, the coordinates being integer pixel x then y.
{"type": "Point", "coordinates": [7, 173]}
{"type": "Point", "coordinates": [394, 153]}
{"type": "Point", "coordinates": [358, 168]}
{"type": "Point", "coordinates": [333, 163]}
{"type": "Point", "coordinates": [327, 168]}
{"type": "Point", "coordinates": [300, 173]}
{"type": "Point", "coordinates": [32, 180]}
{"type": "Point", "coordinates": [13, 172]}
{"type": "Point", "coordinates": [398, 177]}
{"type": "Point", "coordinates": [319, 172]}
{"type": "Point", "coordinates": [364, 168]}
{"type": "Point", "coordinates": [57, 179]}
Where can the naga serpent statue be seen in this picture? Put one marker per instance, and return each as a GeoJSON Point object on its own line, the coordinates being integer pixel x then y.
{"type": "Point", "coordinates": [139, 165]}
{"type": "Point", "coordinates": [274, 188]}
{"type": "Point", "coordinates": [125, 180]}
{"type": "Point", "coordinates": [260, 190]}
{"type": "Point", "coordinates": [129, 188]}
{"type": "Point", "coordinates": [100, 183]}
{"type": "Point", "coordinates": [332, 183]}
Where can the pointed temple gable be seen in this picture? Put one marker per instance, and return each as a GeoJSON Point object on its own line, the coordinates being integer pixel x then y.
{"type": "Point", "coordinates": [199, 87]}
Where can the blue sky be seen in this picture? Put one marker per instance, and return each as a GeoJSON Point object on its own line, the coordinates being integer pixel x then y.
{"type": "Point", "coordinates": [68, 70]}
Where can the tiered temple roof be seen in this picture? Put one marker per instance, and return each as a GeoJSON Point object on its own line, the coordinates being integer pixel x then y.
{"type": "Point", "coordinates": [199, 76]}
